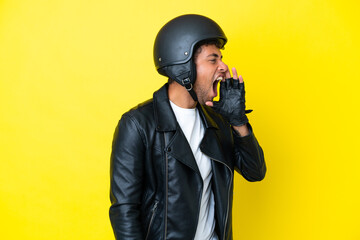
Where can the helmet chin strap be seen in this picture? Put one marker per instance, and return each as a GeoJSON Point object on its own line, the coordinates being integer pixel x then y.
{"type": "Point", "coordinates": [182, 73]}
{"type": "Point", "coordinates": [189, 87]}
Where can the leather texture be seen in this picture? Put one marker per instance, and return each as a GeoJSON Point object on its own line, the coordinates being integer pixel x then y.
{"type": "Point", "coordinates": [156, 185]}
{"type": "Point", "coordinates": [231, 104]}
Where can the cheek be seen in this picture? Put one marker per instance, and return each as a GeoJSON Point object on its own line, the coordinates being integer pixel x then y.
{"type": "Point", "coordinates": [199, 72]}
{"type": "Point", "coordinates": [202, 74]}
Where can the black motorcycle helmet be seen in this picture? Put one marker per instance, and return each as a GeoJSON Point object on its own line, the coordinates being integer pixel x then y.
{"type": "Point", "coordinates": [175, 43]}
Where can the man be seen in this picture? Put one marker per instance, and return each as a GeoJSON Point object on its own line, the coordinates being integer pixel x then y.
{"type": "Point", "coordinates": [174, 156]}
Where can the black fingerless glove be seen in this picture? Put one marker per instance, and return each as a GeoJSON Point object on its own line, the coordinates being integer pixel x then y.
{"type": "Point", "coordinates": [232, 102]}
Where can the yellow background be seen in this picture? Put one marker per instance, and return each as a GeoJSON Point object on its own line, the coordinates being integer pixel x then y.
{"type": "Point", "coordinates": [70, 69]}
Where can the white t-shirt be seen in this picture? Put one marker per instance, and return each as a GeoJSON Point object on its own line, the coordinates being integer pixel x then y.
{"type": "Point", "coordinates": [193, 129]}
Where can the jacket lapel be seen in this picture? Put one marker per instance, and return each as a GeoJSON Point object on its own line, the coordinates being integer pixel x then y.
{"type": "Point", "coordinates": [179, 148]}
{"type": "Point", "coordinates": [177, 145]}
{"type": "Point", "coordinates": [211, 144]}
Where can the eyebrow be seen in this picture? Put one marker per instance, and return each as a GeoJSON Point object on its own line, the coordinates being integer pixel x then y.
{"type": "Point", "coordinates": [214, 55]}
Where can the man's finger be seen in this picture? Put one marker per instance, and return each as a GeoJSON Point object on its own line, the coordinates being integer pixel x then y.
{"type": "Point", "coordinates": [241, 80]}
{"type": "Point", "coordinates": [235, 75]}
{"type": "Point", "coordinates": [209, 103]}
{"type": "Point", "coordinates": [227, 75]}
{"type": "Point", "coordinates": [236, 84]}
{"type": "Point", "coordinates": [228, 83]}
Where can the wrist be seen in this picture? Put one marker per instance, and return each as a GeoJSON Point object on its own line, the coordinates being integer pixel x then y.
{"type": "Point", "coordinates": [242, 130]}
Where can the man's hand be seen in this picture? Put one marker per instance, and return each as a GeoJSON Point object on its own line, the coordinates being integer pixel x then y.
{"type": "Point", "coordinates": [231, 104]}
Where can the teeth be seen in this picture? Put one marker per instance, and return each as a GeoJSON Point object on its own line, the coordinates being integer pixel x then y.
{"type": "Point", "coordinates": [219, 79]}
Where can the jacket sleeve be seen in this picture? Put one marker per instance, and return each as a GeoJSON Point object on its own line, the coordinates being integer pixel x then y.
{"type": "Point", "coordinates": [126, 182]}
{"type": "Point", "coordinates": [249, 157]}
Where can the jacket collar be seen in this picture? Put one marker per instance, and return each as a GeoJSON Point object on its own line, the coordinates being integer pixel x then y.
{"type": "Point", "coordinates": [165, 117]}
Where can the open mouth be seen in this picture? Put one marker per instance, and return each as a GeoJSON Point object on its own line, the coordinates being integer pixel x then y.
{"type": "Point", "coordinates": [215, 85]}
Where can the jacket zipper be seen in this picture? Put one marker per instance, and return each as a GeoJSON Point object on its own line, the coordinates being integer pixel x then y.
{"type": "Point", "coordinates": [152, 218]}
{"type": "Point", "coordinates": [166, 185]}
{"type": "Point", "coordinates": [228, 204]}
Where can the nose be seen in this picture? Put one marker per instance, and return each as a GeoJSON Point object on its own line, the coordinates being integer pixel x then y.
{"type": "Point", "coordinates": [223, 67]}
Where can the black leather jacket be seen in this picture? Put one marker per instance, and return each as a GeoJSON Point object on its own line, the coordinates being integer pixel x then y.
{"type": "Point", "coordinates": [156, 185]}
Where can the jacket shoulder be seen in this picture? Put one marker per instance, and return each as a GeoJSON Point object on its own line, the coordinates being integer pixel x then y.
{"type": "Point", "coordinates": [142, 115]}
{"type": "Point", "coordinates": [143, 108]}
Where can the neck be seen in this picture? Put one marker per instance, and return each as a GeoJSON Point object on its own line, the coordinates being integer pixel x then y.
{"type": "Point", "coordinates": [180, 96]}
